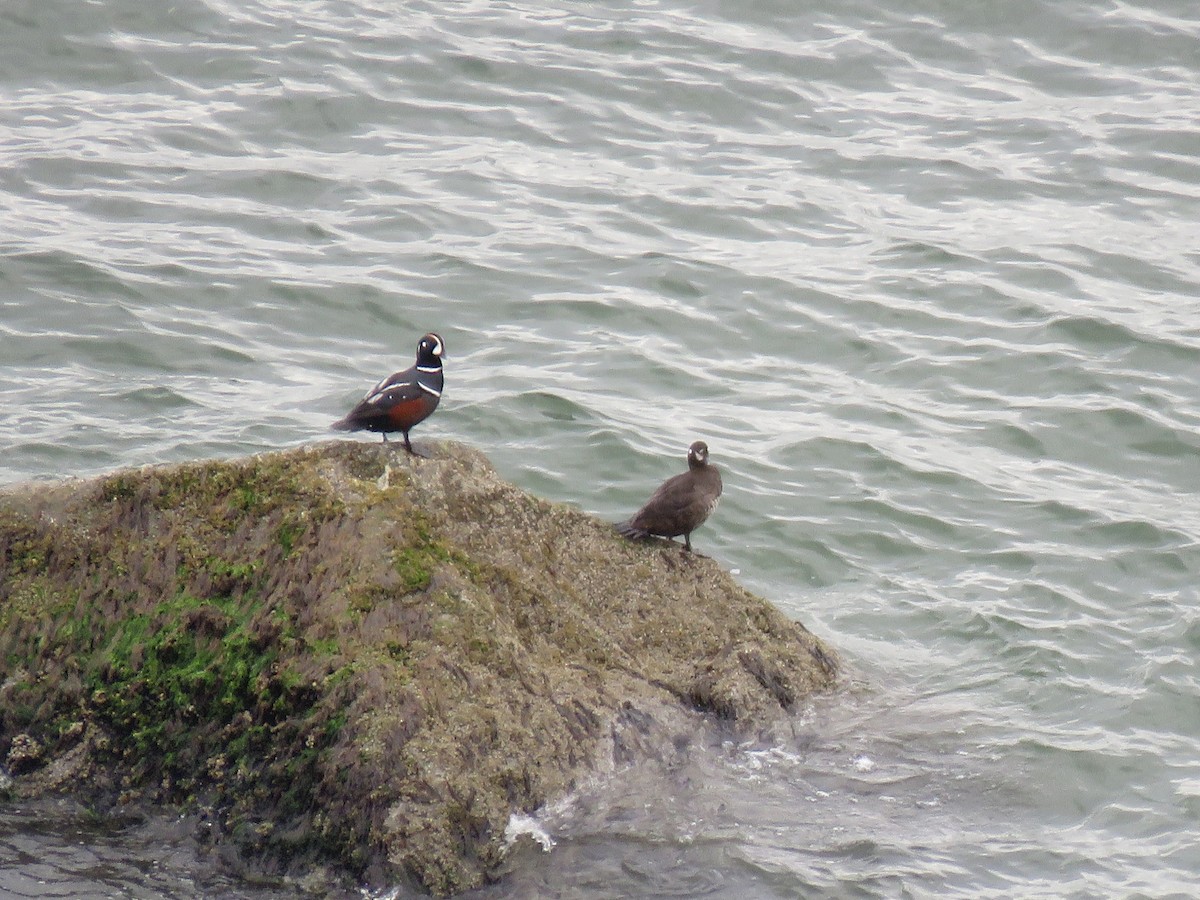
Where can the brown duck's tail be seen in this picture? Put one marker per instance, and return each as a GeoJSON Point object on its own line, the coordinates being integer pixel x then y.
{"type": "Point", "coordinates": [628, 530]}
{"type": "Point", "coordinates": [343, 425]}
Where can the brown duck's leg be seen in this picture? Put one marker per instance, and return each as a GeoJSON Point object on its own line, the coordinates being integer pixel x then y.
{"type": "Point", "coordinates": [384, 433]}
{"type": "Point", "coordinates": [687, 542]}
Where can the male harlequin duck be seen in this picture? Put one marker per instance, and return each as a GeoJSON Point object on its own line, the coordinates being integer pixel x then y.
{"type": "Point", "coordinates": [401, 400]}
{"type": "Point", "coordinates": [681, 504]}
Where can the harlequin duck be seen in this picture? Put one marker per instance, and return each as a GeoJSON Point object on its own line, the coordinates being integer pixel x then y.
{"type": "Point", "coordinates": [401, 400]}
{"type": "Point", "coordinates": [681, 504]}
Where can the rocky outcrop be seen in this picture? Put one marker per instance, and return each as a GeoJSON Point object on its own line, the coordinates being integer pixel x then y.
{"type": "Point", "coordinates": [344, 655]}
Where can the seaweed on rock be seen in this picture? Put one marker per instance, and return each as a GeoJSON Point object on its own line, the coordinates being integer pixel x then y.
{"type": "Point", "coordinates": [342, 655]}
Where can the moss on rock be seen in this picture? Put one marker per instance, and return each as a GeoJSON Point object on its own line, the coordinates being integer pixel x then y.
{"type": "Point", "coordinates": [344, 654]}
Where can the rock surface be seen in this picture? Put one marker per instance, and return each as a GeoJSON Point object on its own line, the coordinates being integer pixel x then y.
{"type": "Point", "coordinates": [342, 655]}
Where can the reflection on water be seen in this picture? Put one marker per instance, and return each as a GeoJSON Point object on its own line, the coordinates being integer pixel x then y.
{"type": "Point", "coordinates": [57, 849]}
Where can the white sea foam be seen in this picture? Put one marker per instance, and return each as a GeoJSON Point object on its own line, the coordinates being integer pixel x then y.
{"type": "Point", "coordinates": [521, 825]}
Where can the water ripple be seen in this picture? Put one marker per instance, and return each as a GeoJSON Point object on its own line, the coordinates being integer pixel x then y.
{"type": "Point", "coordinates": [923, 277]}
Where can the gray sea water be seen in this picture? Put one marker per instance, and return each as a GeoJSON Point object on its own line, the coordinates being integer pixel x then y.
{"type": "Point", "coordinates": [924, 274]}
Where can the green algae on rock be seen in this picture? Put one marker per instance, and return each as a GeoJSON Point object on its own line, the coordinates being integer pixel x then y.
{"type": "Point", "coordinates": [344, 655]}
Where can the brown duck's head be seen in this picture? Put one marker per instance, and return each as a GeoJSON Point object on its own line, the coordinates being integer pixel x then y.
{"type": "Point", "coordinates": [697, 455]}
